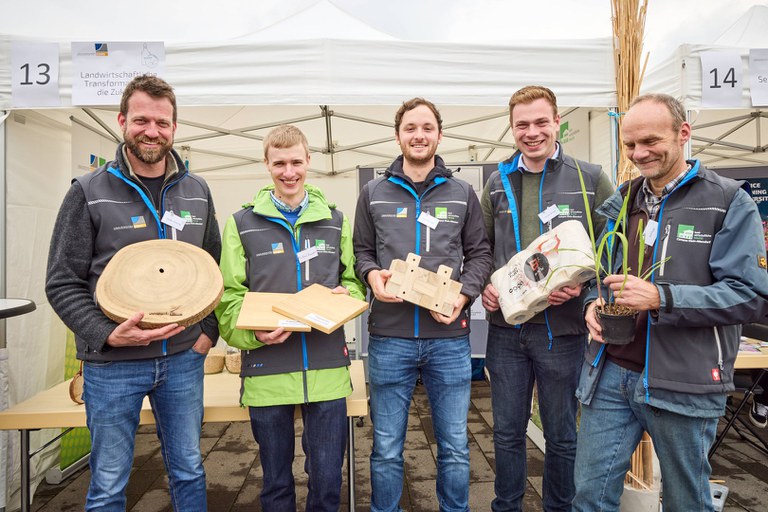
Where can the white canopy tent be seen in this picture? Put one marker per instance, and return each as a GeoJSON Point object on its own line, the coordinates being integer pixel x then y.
{"type": "Point", "coordinates": [340, 81]}
{"type": "Point", "coordinates": [721, 137]}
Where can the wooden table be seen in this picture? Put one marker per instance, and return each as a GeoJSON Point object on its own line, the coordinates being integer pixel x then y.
{"type": "Point", "coordinates": [54, 409]}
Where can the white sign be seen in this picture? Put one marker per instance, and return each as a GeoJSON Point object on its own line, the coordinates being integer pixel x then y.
{"type": "Point", "coordinates": [102, 70]}
{"type": "Point", "coordinates": [722, 79]}
{"type": "Point", "coordinates": [35, 74]}
{"type": "Point", "coordinates": [758, 76]}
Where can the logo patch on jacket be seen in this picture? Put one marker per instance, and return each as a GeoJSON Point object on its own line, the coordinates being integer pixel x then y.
{"type": "Point", "coordinates": [277, 248]}
{"type": "Point", "coordinates": [191, 219]}
{"type": "Point", "coordinates": [138, 222]}
{"type": "Point", "coordinates": [402, 213]}
{"type": "Point", "coordinates": [716, 374]}
{"type": "Point", "coordinates": [688, 233]}
{"type": "Point", "coordinates": [761, 262]}
{"type": "Point", "coordinates": [441, 212]}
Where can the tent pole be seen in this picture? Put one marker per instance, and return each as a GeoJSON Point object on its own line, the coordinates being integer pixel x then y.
{"type": "Point", "coordinates": [3, 203]}
{"type": "Point", "coordinates": [327, 113]}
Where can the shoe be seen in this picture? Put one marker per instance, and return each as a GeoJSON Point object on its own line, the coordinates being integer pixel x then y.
{"type": "Point", "coordinates": [758, 415]}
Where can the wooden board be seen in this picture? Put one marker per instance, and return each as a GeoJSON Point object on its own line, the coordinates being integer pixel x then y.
{"type": "Point", "coordinates": [168, 280]}
{"type": "Point", "coordinates": [256, 313]}
{"type": "Point", "coordinates": [435, 291]}
{"type": "Point", "coordinates": [320, 308]}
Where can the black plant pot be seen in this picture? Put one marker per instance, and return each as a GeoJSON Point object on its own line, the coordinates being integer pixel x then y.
{"type": "Point", "coordinates": [617, 329]}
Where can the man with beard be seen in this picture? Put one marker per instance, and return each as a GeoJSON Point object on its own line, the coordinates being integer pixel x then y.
{"type": "Point", "coordinates": [119, 204]}
{"type": "Point", "coordinates": [417, 206]}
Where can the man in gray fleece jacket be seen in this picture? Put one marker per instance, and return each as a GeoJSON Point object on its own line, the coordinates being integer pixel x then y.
{"type": "Point", "coordinates": [119, 204]}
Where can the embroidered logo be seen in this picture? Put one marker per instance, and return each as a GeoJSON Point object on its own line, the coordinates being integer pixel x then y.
{"type": "Point", "coordinates": [277, 248]}
{"type": "Point", "coordinates": [463, 323]}
{"type": "Point", "coordinates": [320, 244]}
{"type": "Point", "coordinates": [685, 232]}
{"type": "Point", "coordinates": [761, 262]}
{"type": "Point", "coordinates": [402, 213]}
{"type": "Point", "coordinates": [441, 212]}
{"type": "Point", "coordinates": [102, 50]}
{"type": "Point", "coordinates": [138, 222]}
{"type": "Point", "coordinates": [716, 374]}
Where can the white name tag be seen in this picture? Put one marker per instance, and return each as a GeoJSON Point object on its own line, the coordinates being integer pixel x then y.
{"type": "Point", "coordinates": [650, 232]}
{"type": "Point", "coordinates": [291, 323]}
{"type": "Point", "coordinates": [307, 254]}
{"type": "Point", "coordinates": [428, 220]}
{"type": "Point", "coordinates": [549, 214]}
{"type": "Point", "coordinates": [318, 319]}
{"type": "Point", "coordinates": [174, 220]}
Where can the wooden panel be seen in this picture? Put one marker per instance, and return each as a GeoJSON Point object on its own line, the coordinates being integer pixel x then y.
{"type": "Point", "coordinates": [256, 313]}
{"type": "Point", "coordinates": [435, 291]}
{"type": "Point", "coordinates": [320, 308]}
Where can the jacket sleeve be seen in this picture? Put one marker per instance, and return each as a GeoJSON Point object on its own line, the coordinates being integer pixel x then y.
{"type": "Point", "coordinates": [739, 293]}
{"type": "Point", "coordinates": [233, 271]}
{"type": "Point", "coordinates": [212, 245]}
{"type": "Point", "coordinates": [478, 259]}
{"type": "Point", "coordinates": [364, 237]}
{"type": "Point", "coordinates": [347, 255]}
{"type": "Point", "coordinates": [69, 261]}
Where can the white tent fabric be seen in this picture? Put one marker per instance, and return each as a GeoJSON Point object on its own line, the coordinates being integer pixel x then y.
{"type": "Point", "coordinates": [721, 137]}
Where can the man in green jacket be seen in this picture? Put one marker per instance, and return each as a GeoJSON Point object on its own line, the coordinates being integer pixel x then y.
{"type": "Point", "coordinates": [288, 238]}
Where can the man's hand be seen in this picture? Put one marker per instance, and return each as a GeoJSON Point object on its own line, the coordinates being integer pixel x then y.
{"type": "Point", "coordinates": [203, 344]}
{"type": "Point", "coordinates": [340, 290]}
{"type": "Point", "coordinates": [129, 334]}
{"type": "Point", "coordinates": [377, 280]}
{"type": "Point", "coordinates": [563, 295]}
{"type": "Point", "coordinates": [490, 298]}
{"type": "Point", "coordinates": [590, 317]}
{"type": "Point", "coordinates": [637, 294]}
{"type": "Point", "coordinates": [275, 337]}
{"type": "Point", "coordinates": [462, 301]}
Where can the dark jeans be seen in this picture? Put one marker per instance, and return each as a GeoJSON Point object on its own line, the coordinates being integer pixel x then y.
{"type": "Point", "coordinates": [324, 442]}
{"type": "Point", "coordinates": [516, 358]}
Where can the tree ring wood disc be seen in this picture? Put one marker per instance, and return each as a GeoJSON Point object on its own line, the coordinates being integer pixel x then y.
{"type": "Point", "coordinates": [168, 280]}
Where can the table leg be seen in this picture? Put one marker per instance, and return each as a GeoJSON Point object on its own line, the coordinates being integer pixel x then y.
{"type": "Point", "coordinates": [351, 463]}
{"type": "Point", "coordinates": [25, 480]}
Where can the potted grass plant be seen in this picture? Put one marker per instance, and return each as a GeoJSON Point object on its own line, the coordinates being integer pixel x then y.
{"type": "Point", "coordinates": [617, 321]}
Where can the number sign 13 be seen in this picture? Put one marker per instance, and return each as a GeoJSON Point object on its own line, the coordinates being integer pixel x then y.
{"type": "Point", "coordinates": [35, 74]}
{"type": "Point", "coordinates": [722, 79]}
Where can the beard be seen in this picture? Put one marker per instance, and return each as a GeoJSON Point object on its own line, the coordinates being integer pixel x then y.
{"type": "Point", "coordinates": [148, 156]}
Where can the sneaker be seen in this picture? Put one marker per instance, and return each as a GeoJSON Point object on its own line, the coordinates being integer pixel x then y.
{"type": "Point", "coordinates": [758, 415]}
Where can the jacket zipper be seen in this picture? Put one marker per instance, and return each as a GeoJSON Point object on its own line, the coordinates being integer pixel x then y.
{"type": "Point", "coordinates": [719, 345]}
{"type": "Point", "coordinates": [664, 249]}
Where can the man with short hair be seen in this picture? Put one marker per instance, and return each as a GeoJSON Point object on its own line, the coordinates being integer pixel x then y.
{"type": "Point", "coordinates": [286, 239]}
{"type": "Point", "coordinates": [119, 204]}
{"type": "Point", "coordinates": [703, 239]}
{"type": "Point", "coordinates": [548, 349]}
{"type": "Point", "coordinates": [418, 207]}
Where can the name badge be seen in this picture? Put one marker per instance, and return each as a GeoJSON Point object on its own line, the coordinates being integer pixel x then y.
{"type": "Point", "coordinates": [650, 232]}
{"type": "Point", "coordinates": [550, 213]}
{"type": "Point", "coordinates": [173, 220]}
{"type": "Point", "coordinates": [307, 254]}
{"type": "Point", "coordinates": [428, 220]}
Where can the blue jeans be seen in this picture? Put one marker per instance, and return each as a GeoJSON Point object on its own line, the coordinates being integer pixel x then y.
{"type": "Point", "coordinates": [446, 370]}
{"type": "Point", "coordinates": [516, 358]}
{"type": "Point", "coordinates": [612, 425]}
{"type": "Point", "coordinates": [113, 393]}
{"type": "Point", "coordinates": [324, 442]}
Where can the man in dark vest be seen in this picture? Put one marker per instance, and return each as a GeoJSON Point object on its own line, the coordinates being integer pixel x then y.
{"type": "Point", "coordinates": [121, 203]}
{"type": "Point", "coordinates": [286, 239]}
{"type": "Point", "coordinates": [548, 349]}
{"type": "Point", "coordinates": [672, 380]}
{"type": "Point", "coordinates": [418, 207]}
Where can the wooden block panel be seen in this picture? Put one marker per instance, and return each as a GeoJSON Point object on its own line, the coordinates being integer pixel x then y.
{"type": "Point", "coordinates": [435, 291]}
{"type": "Point", "coordinates": [317, 306]}
{"type": "Point", "coordinates": [256, 313]}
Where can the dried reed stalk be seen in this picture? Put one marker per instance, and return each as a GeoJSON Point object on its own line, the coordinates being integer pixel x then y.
{"type": "Point", "coordinates": [628, 18]}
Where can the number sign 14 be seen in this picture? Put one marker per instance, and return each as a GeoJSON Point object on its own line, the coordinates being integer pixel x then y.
{"type": "Point", "coordinates": [722, 79]}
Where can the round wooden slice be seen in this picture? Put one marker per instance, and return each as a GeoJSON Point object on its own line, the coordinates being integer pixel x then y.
{"type": "Point", "coordinates": [169, 281]}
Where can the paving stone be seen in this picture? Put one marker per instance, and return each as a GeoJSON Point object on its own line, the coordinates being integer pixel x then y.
{"type": "Point", "coordinates": [154, 500]}
{"type": "Point", "coordinates": [480, 469]}
{"type": "Point", "coordinates": [480, 494]}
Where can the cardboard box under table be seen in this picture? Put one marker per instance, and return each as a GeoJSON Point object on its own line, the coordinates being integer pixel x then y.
{"type": "Point", "coordinates": [221, 400]}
